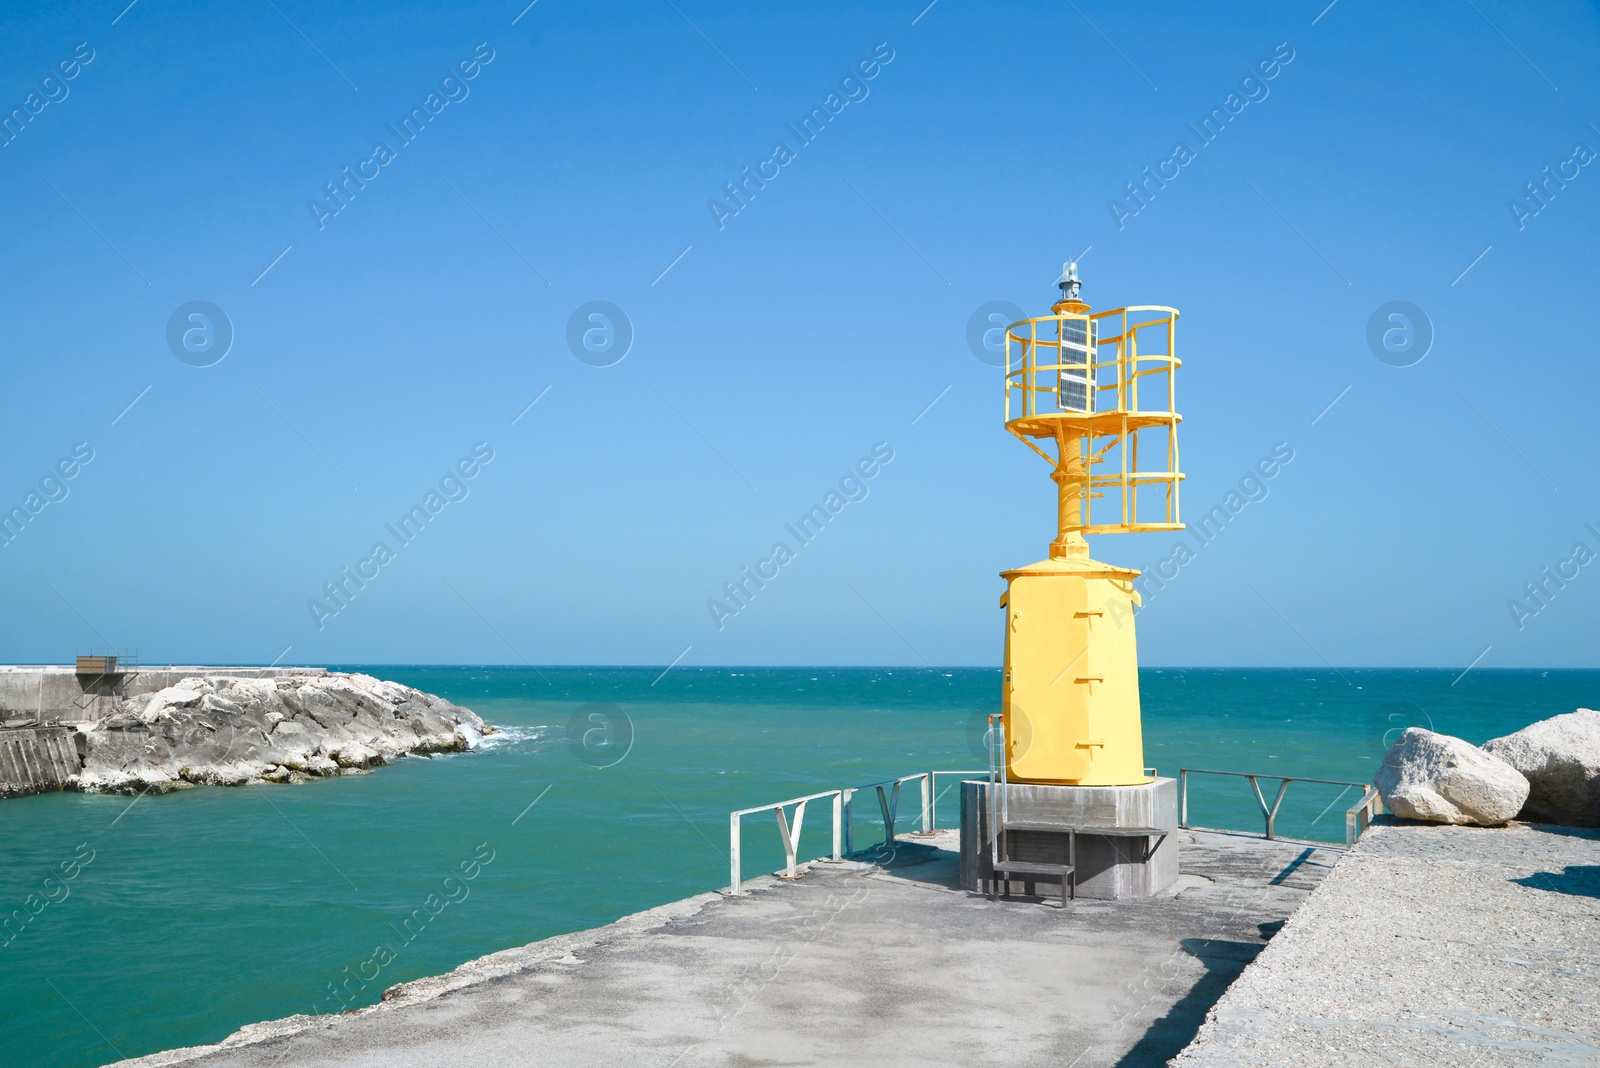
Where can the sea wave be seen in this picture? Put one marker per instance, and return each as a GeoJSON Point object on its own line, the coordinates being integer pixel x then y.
{"type": "Point", "coordinates": [504, 737]}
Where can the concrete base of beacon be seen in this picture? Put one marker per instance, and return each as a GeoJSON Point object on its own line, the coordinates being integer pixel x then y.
{"type": "Point", "coordinates": [1112, 864]}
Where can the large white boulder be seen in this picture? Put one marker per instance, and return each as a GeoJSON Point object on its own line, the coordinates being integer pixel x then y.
{"type": "Point", "coordinates": [1560, 757]}
{"type": "Point", "coordinates": [1442, 779]}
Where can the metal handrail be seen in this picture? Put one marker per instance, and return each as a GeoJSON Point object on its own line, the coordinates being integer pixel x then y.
{"type": "Point", "coordinates": [1271, 813]}
{"type": "Point", "coordinates": [998, 788]}
{"type": "Point", "coordinates": [791, 839]}
{"type": "Point", "coordinates": [1359, 817]}
{"type": "Point", "coordinates": [888, 805]}
{"type": "Point", "coordinates": [1127, 360]}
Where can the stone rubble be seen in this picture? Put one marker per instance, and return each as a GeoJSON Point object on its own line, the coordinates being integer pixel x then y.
{"type": "Point", "coordinates": [232, 731]}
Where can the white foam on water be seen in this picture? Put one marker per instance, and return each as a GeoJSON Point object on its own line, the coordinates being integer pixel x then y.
{"type": "Point", "coordinates": [504, 736]}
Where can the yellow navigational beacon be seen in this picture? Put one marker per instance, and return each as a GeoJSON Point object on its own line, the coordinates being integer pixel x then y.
{"type": "Point", "coordinates": [1092, 393]}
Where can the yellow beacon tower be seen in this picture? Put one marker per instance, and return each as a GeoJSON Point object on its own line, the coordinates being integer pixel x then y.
{"type": "Point", "coordinates": [1091, 393]}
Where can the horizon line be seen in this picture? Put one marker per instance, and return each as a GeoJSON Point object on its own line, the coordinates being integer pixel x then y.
{"type": "Point", "coordinates": [336, 665]}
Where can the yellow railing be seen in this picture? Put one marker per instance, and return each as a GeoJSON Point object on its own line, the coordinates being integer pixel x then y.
{"type": "Point", "coordinates": [1067, 382]}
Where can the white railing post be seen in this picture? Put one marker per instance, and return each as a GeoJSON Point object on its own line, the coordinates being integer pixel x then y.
{"type": "Point", "coordinates": [1272, 817]}
{"type": "Point", "coordinates": [791, 839]}
{"type": "Point", "coordinates": [838, 809]}
{"type": "Point", "coordinates": [1359, 818]}
{"type": "Point", "coordinates": [927, 818]}
{"type": "Point", "coordinates": [849, 795]}
{"type": "Point", "coordinates": [733, 853]}
{"type": "Point", "coordinates": [889, 805]}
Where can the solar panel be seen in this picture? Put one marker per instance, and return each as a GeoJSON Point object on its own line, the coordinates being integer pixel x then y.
{"type": "Point", "coordinates": [1075, 382]}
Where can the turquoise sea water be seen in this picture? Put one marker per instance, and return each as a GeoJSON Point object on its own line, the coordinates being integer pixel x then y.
{"type": "Point", "coordinates": [207, 909]}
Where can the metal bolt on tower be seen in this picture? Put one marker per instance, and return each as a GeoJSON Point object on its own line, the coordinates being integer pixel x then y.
{"type": "Point", "coordinates": [1074, 378]}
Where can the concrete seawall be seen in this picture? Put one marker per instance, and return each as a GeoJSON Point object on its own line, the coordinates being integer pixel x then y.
{"type": "Point", "coordinates": [36, 760]}
{"type": "Point", "coordinates": [39, 694]}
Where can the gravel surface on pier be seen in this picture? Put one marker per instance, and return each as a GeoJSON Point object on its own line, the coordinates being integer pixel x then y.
{"type": "Point", "coordinates": [1429, 945]}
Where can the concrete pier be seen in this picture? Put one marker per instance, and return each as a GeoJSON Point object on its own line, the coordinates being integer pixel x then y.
{"type": "Point", "coordinates": [48, 693]}
{"type": "Point", "coordinates": [1429, 945]}
{"type": "Point", "coordinates": [855, 963]}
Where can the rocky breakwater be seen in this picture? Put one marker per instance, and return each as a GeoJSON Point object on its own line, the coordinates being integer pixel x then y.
{"type": "Point", "coordinates": [232, 731]}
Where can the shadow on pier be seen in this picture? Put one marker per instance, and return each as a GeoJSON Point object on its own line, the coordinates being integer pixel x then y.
{"type": "Point", "coordinates": [1581, 880]}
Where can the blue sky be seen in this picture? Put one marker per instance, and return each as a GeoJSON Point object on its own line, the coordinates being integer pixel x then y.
{"type": "Point", "coordinates": [374, 347]}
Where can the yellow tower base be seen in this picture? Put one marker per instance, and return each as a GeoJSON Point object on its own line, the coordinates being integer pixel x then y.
{"type": "Point", "coordinates": [1071, 689]}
